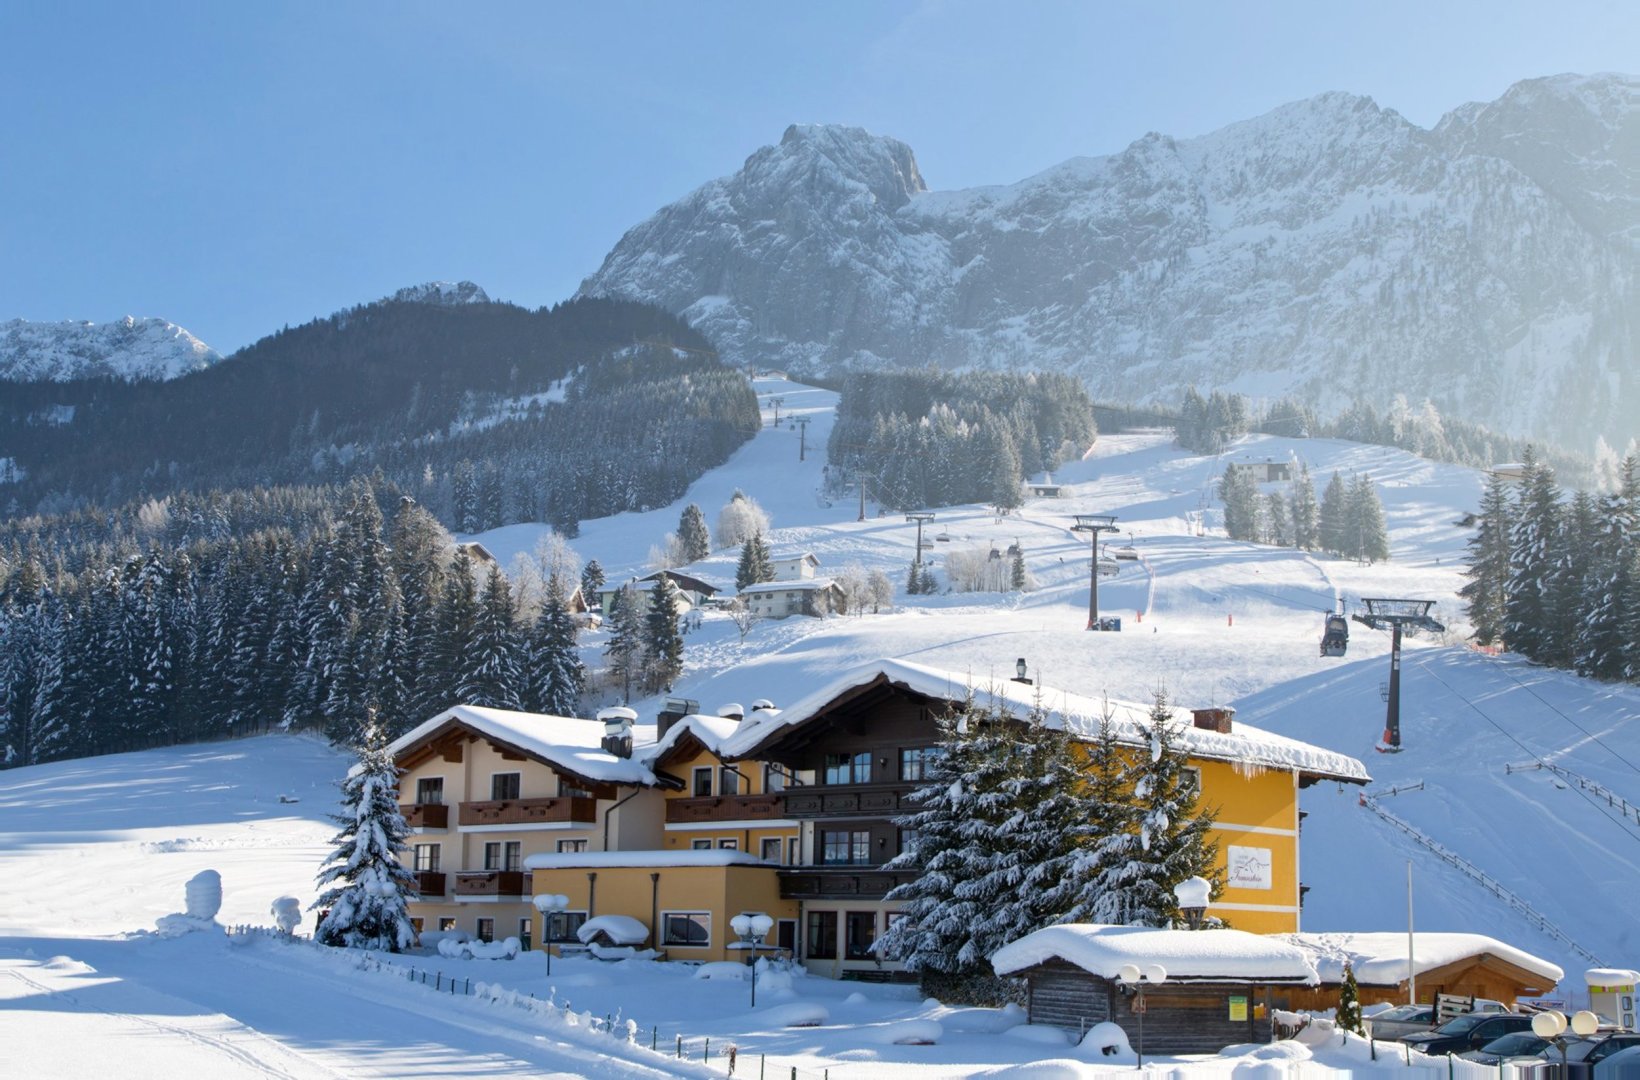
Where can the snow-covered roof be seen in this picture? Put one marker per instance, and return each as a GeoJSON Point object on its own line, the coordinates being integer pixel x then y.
{"type": "Point", "coordinates": [1611, 977]}
{"type": "Point", "coordinates": [620, 929]}
{"type": "Point", "coordinates": [1186, 955]}
{"type": "Point", "coordinates": [594, 860]}
{"type": "Point", "coordinates": [712, 731]}
{"type": "Point", "coordinates": [802, 584]}
{"type": "Point", "coordinates": [796, 556]}
{"type": "Point", "coordinates": [1076, 714]}
{"type": "Point", "coordinates": [1381, 958]}
{"type": "Point", "coordinates": [570, 743]}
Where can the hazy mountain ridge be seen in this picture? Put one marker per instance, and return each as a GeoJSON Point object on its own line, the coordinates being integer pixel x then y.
{"type": "Point", "coordinates": [1328, 248]}
{"type": "Point", "coordinates": [128, 348]}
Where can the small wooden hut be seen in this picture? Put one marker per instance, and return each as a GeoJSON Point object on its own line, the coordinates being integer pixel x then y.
{"type": "Point", "coordinates": [1217, 993]}
{"type": "Point", "coordinates": [1461, 965]}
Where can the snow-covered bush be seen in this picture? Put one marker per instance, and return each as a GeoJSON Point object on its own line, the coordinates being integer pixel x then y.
{"type": "Point", "coordinates": [204, 895]}
{"type": "Point", "coordinates": [904, 1033]}
{"type": "Point", "coordinates": [1105, 1040]}
{"type": "Point", "coordinates": [287, 913]}
{"type": "Point", "coordinates": [794, 1014]}
{"type": "Point", "coordinates": [740, 519]}
{"type": "Point", "coordinates": [979, 570]}
{"type": "Point", "coordinates": [506, 949]}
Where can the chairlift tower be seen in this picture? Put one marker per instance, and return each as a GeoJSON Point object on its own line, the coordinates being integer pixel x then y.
{"type": "Point", "coordinates": [919, 516]}
{"type": "Point", "coordinates": [1396, 616]}
{"type": "Point", "coordinates": [1093, 525]}
{"type": "Point", "coordinates": [802, 423]}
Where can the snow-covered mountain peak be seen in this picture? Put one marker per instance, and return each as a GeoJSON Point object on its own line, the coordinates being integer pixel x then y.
{"type": "Point", "coordinates": [441, 292]}
{"type": "Point", "coordinates": [837, 154]}
{"type": "Point", "coordinates": [127, 348]}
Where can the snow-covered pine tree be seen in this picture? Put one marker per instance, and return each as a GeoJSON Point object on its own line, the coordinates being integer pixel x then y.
{"type": "Point", "coordinates": [623, 652]}
{"type": "Point", "coordinates": [1571, 573]}
{"type": "Point", "coordinates": [556, 674]}
{"type": "Point", "coordinates": [1239, 493]}
{"type": "Point", "coordinates": [1365, 535]}
{"type": "Point", "coordinates": [1488, 570]}
{"type": "Point", "coordinates": [1112, 822]}
{"type": "Point", "coordinates": [956, 836]}
{"type": "Point", "coordinates": [1274, 526]}
{"type": "Point", "coordinates": [1333, 522]}
{"type": "Point", "coordinates": [1303, 510]}
{"type": "Point", "coordinates": [1349, 1001]}
{"type": "Point", "coordinates": [746, 569]}
{"type": "Point", "coordinates": [365, 886]}
{"type": "Point", "coordinates": [1171, 842]}
{"type": "Point", "coordinates": [1018, 579]}
{"type": "Point", "coordinates": [592, 579]}
{"type": "Point", "coordinates": [457, 622]}
{"type": "Point", "coordinates": [693, 534]}
{"type": "Point", "coordinates": [663, 643]}
{"type": "Point", "coordinates": [1610, 590]}
{"type": "Point", "coordinates": [1531, 558]}
{"type": "Point", "coordinates": [490, 671]}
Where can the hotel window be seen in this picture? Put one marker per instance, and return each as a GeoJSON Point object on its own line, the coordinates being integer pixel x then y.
{"type": "Point", "coordinates": [845, 847]}
{"type": "Point", "coordinates": [703, 781]}
{"type": "Point", "coordinates": [908, 840]}
{"type": "Point", "coordinates": [728, 781]}
{"type": "Point", "coordinates": [504, 856]}
{"type": "Point", "coordinates": [848, 768]}
{"type": "Point", "coordinates": [860, 931]}
{"type": "Point", "coordinates": [427, 857]}
{"type": "Point", "coordinates": [701, 845]}
{"type": "Point", "coordinates": [446, 923]}
{"type": "Point", "coordinates": [567, 790]}
{"type": "Point", "coordinates": [774, 779]}
{"type": "Point", "coordinates": [561, 926]}
{"type": "Point", "coordinates": [687, 929]}
{"type": "Point", "coordinates": [769, 851]}
{"type": "Point", "coordinates": [503, 785]}
{"type": "Point", "coordinates": [571, 846]}
{"type": "Point", "coordinates": [729, 845]}
{"type": "Point", "coordinates": [917, 762]}
{"type": "Point", "coordinates": [486, 930]}
{"type": "Point", "coordinates": [1190, 779]}
{"type": "Point", "coordinates": [822, 935]}
{"type": "Point", "coordinates": [430, 789]}
{"type": "Point", "coordinates": [416, 924]}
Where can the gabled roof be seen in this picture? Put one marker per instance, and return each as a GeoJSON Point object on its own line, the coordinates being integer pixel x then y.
{"type": "Point", "coordinates": [707, 732]}
{"type": "Point", "coordinates": [570, 745]}
{"type": "Point", "coordinates": [796, 556]}
{"type": "Point", "coordinates": [1186, 955]}
{"type": "Point", "coordinates": [797, 585]}
{"type": "Point", "coordinates": [1074, 713]}
{"type": "Point", "coordinates": [1380, 959]}
{"type": "Point", "coordinates": [686, 581]}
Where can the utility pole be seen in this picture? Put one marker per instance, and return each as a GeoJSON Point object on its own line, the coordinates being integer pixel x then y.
{"type": "Point", "coordinates": [1093, 525]}
{"type": "Point", "coordinates": [802, 423]}
{"type": "Point", "coordinates": [1394, 616]}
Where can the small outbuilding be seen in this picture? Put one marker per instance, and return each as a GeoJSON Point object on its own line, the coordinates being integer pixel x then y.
{"type": "Point", "coordinates": [1217, 989]}
{"type": "Point", "coordinates": [1456, 964]}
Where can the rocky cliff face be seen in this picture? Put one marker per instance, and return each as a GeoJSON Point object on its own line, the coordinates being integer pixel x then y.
{"type": "Point", "coordinates": [128, 348]}
{"type": "Point", "coordinates": [1330, 249]}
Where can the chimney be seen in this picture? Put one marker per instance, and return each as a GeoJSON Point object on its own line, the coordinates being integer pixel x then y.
{"type": "Point", "coordinates": [732, 711]}
{"type": "Point", "coordinates": [672, 711]}
{"type": "Point", "coordinates": [1215, 718]}
{"type": "Point", "coordinates": [762, 705]}
{"type": "Point", "coordinates": [618, 730]}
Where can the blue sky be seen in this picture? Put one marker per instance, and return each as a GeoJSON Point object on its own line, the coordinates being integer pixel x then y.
{"type": "Point", "coordinates": [238, 166]}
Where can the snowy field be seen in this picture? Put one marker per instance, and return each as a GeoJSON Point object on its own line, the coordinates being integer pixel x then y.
{"type": "Point", "coordinates": [92, 852]}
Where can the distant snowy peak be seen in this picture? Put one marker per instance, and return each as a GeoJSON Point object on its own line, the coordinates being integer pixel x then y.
{"type": "Point", "coordinates": [127, 348]}
{"type": "Point", "coordinates": [444, 293]}
{"type": "Point", "coordinates": [1329, 249]}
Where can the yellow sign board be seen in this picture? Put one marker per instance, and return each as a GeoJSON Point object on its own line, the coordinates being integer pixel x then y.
{"type": "Point", "coordinates": [1238, 1007]}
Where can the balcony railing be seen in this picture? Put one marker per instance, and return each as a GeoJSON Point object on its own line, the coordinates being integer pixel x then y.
{"type": "Point", "coordinates": [725, 808]}
{"type": "Point", "coordinates": [854, 882]}
{"type": "Point", "coordinates": [492, 883]}
{"type": "Point", "coordinates": [426, 815]}
{"type": "Point", "coordinates": [855, 800]}
{"type": "Point", "coordinates": [430, 882]}
{"type": "Point", "coordinates": [581, 809]}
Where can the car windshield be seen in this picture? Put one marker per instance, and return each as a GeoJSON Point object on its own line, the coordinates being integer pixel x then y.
{"type": "Point", "coordinates": [1400, 1012]}
{"type": "Point", "coordinates": [1519, 1042]}
{"type": "Point", "coordinates": [1460, 1025]}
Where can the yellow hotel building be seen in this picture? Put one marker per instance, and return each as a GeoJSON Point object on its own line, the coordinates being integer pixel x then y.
{"type": "Point", "coordinates": [684, 824]}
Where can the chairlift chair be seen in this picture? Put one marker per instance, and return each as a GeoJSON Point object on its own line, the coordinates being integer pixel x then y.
{"type": "Point", "coordinates": [1109, 567]}
{"type": "Point", "coordinates": [1335, 639]}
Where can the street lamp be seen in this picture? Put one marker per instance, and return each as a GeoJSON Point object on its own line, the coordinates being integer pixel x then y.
{"type": "Point", "coordinates": [1193, 894]}
{"type": "Point", "coordinates": [549, 904]}
{"type": "Point", "coordinates": [1093, 525]}
{"type": "Point", "coordinates": [1394, 615]}
{"type": "Point", "coordinates": [1134, 981]}
{"type": "Point", "coordinates": [752, 930]}
{"type": "Point", "coordinates": [1020, 672]}
{"type": "Point", "coordinates": [1551, 1025]}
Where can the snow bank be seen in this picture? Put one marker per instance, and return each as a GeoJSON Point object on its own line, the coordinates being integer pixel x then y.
{"type": "Point", "coordinates": [620, 929]}
{"type": "Point", "coordinates": [1106, 1040]}
{"type": "Point", "coordinates": [1187, 955]}
{"type": "Point", "coordinates": [506, 949]}
{"type": "Point", "coordinates": [1039, 1033]}
{"type": "Point", "coordinates": [903, 1033]}
{"type": "Point", "coordinates": [794, 1014]}
{"type": "Point", "coordinates": [722, 969]}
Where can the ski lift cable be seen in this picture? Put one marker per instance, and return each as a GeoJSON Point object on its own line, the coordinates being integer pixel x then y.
{"type": "Point", "coordinates": [1621, 823]}
{"type": "Point", "coordinates": [1589, 734]}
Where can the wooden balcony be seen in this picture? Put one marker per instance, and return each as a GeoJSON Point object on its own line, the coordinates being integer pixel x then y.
{"type": "Point", "coordinates": [492, 883]}
{"type": "Point", "coordinates": [750, 808]}
{"type": "Point", "coordinates": [425, 815]}
{"type": "Point", "coordinates": [430, 882]}
{"type": "Point", "coordinates": [849, 800]}
{"type": "Point", "coordinates": [580, 809]}
{"type": "Point", "coordinates": [840, 882]}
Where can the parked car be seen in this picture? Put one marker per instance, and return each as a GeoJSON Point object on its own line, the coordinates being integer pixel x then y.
{"type": "Point", "coordinates": [1510, 1048]}
{"type": "Point", "coordinates": [1623, 1065]}
{"type": "Point", "coordinates": [1585, 1055]}
{"type": "Point", "coordinates": [1470, 1031]}
{"type": "Point", "coordinates": [1401, 1020]}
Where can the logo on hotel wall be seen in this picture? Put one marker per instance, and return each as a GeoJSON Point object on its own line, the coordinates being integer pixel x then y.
{"type": "Point", "coordinates": [1249, 868]}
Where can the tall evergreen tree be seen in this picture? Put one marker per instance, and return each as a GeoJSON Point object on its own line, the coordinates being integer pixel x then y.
{"type": "Point", "coordinates": [1333, 522]}
{"type": "Point", "coordinates": [1531, 557]}
{"type": "Point", "coordinates": [693, 534]}
{"type": "Point", "coordinates": [1239, 492]}
{"type": "Point", "coordinates": [490, 671]}
{"type": "Point", "coordinates": [1112, 818]}
{"type": "Point", "coordinates": [365, 885]}
{"type": "Point", "coordinates": [458, 615]}
{"type": "Point", "coordinates": [592, 579]}
{"type": "Point", "coordinates": [556, 676]}
{"type": "Point", "coordinates": [663, 642]}
{"type": "Point", "coordinates": [1304, 511]}
{"type": "Point", "coordinates": [1488, 570]}
{"type": "Point", "coordinates": [623, 652]}
{"type": "Point", "coordinates": [1365, 535]}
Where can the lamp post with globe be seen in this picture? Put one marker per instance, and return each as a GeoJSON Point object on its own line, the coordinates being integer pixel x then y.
{"type": "Point", "coordinates": [1551, 1025]}
{"type": "Point", "coordinates": [1134, 980]}
{"type": "Point", "coordinates": [1193, 894]}
{"type": "Point", "coordinates": [549, 904]}
{"type": "Point", "coordinates": [752, 930]}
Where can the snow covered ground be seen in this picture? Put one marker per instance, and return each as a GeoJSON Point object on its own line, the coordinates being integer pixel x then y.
{"type": "Point", "coordinates": [93, 851]}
